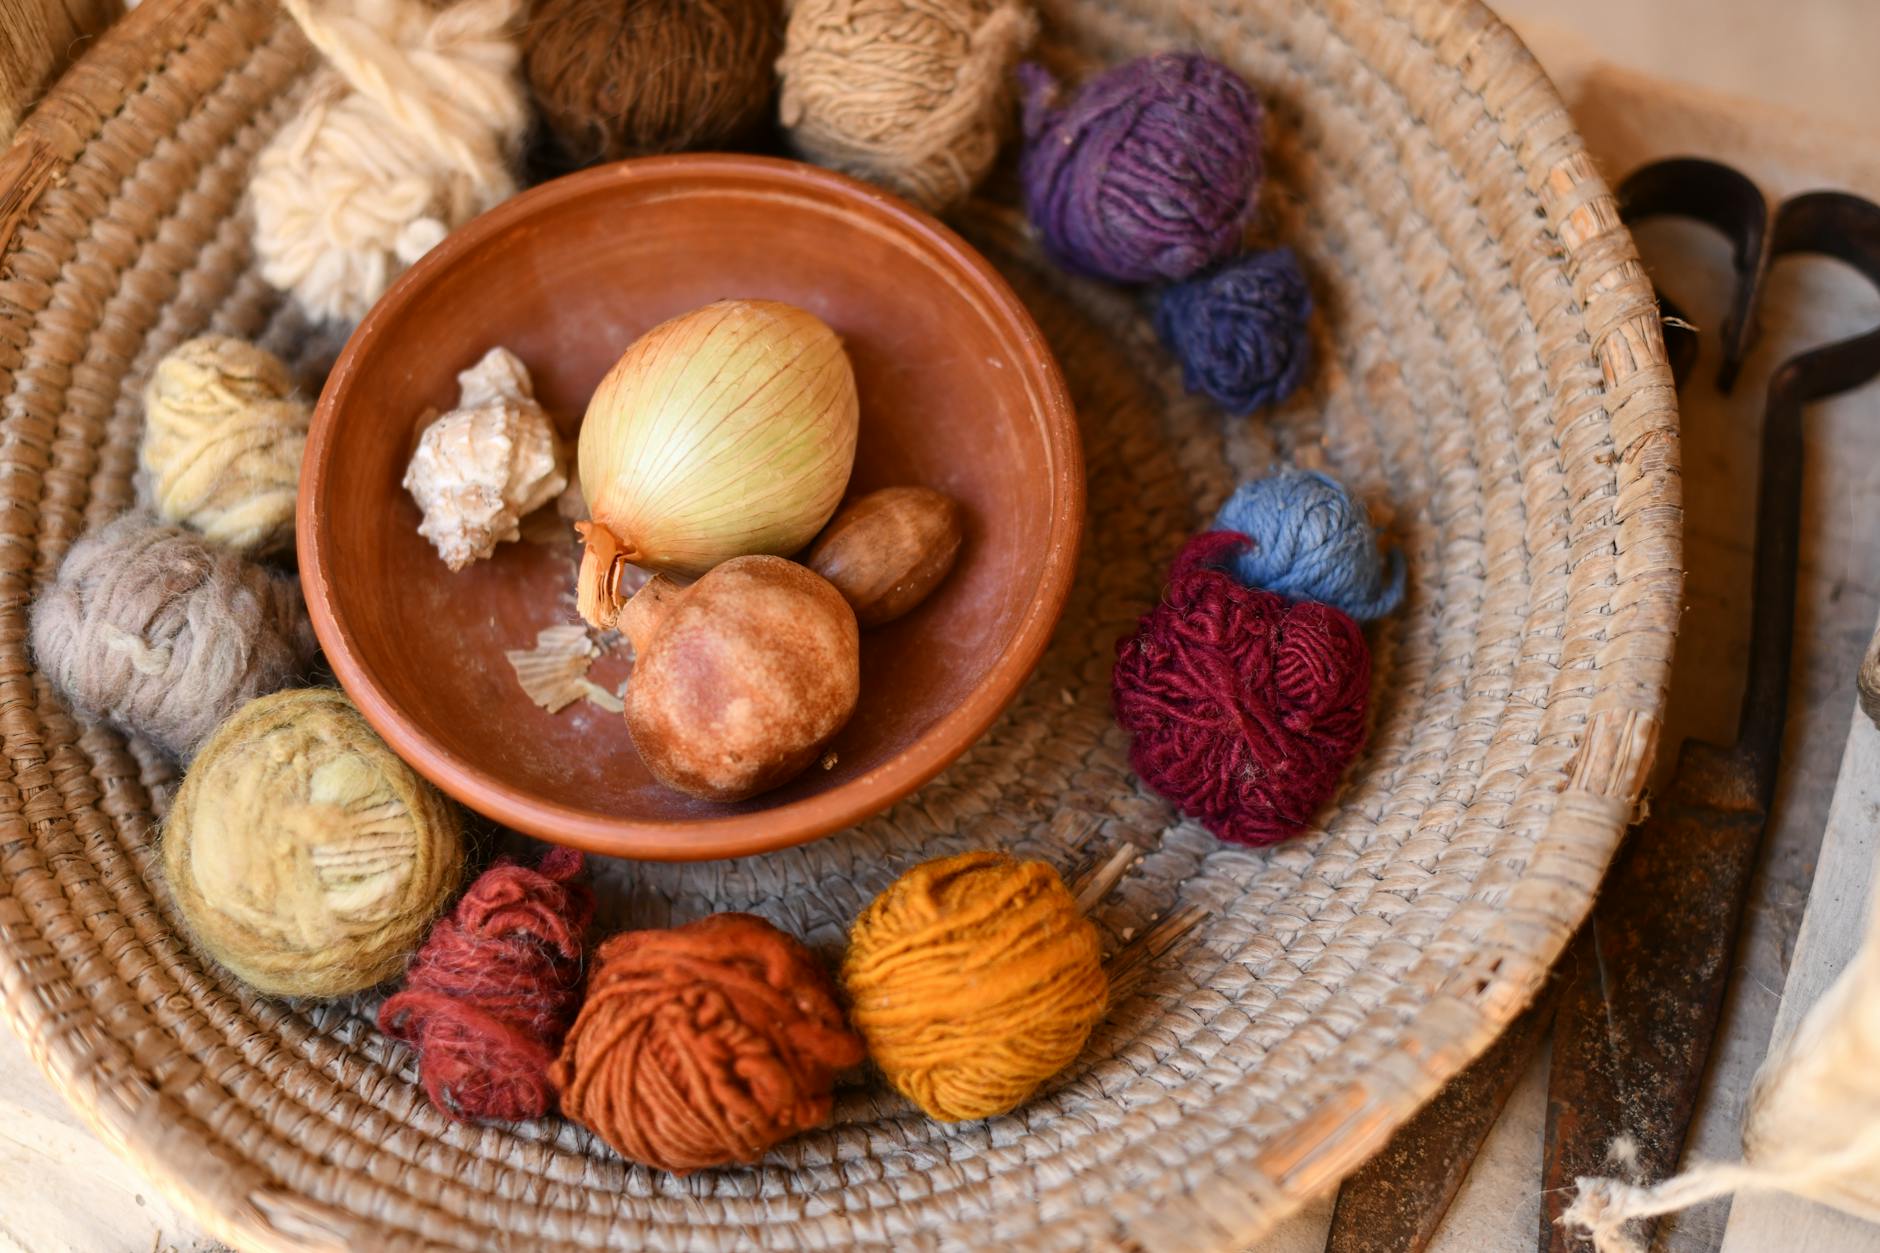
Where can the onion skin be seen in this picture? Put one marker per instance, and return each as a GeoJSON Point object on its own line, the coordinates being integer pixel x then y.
{"type": "Point", "coordinates": [742, 678]}
{"type": "Point", "coordinates": [725, 432]}
{"type": "Point", "coordinates": [889, 550]}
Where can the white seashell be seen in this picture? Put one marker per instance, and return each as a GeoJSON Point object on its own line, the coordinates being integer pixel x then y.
{"type": "Point", "coordinates": [481, 468]}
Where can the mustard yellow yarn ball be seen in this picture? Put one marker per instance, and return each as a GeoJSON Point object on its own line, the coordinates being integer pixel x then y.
{"type": "Point", "coordinates": [973, 980]}
{"type": "Point", "coordinates": [223, 438]}
{"type": "Point", "coordinates": [303, 854]}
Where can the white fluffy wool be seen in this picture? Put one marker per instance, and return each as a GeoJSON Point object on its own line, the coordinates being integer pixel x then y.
{"type": "Point", "coordinates": [409, 132]}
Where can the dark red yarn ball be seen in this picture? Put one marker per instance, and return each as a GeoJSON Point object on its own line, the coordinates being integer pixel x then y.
{"type": "Point", "coordinates": [494, 989]}
{"type": "Point", "coordinates": [1244, 708]}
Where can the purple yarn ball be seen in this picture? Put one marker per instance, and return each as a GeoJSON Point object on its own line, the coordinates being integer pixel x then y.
{"type": "Point", "coordinates": [1240, 332]}
{"type": "Point", "coordinates": [1149, 173]}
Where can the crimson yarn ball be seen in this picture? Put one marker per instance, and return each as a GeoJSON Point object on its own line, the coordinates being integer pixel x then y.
{"type": "Point", "coordinates": [494, 989]}
{"type": "Point", "coordinates": [1243, 708]}
{"type": "Point", "coordinates": [1148, 173]}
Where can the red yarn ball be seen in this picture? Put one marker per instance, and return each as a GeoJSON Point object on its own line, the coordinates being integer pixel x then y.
{"type": "Point", "coordinates": [1244, 708]}
{"type": "Point", "coordinates": [494, 989]}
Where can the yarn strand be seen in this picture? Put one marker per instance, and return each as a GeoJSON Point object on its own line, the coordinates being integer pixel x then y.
{"type": "Point", "coordinates": [1603, 1209]}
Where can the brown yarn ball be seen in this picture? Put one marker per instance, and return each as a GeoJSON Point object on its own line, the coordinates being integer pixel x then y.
{"type": "Point", "coordinates": [164, 634]}
{"type": "Point", "coordinates": [625, 78]}
{"type": "Point", "coordinates": [703, 1045]}
{"type": "Point", "coordinates": [913, 94]}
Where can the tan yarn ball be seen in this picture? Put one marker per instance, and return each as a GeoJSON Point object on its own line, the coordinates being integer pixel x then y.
{"type": "Point", "coordinates": [912, 94]}
{"type": "Point", "coordinates": [303, 854]}
{"type": "Point", "coordinates": [223, 438]}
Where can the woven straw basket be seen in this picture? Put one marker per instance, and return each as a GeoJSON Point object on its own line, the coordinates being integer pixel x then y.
{"type": "Point", "coordinates": [1491, 376]}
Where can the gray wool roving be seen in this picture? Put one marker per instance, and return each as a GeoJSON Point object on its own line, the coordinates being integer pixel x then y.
{"type": "Point", "coordinates": [164, 634]}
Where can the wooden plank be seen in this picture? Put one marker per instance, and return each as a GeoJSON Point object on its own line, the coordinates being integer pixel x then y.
{"type": "Point", "coordinates": [38, 39]}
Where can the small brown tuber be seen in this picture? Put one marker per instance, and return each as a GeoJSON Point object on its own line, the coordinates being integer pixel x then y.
{"type": "Point", "coordinates": [742, 678]}
{"type": "Point", "coordinates": [888, 550]}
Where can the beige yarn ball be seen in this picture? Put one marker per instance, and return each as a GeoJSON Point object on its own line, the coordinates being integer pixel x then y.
{"type": "Point", "coordinates": [223, 438]}
{"type": "Point", "coordinates": [913, 94]}
{"type": "Point", "coordinates": [303, 854]}
{"type": "Point", "coordinates": [154, 629]}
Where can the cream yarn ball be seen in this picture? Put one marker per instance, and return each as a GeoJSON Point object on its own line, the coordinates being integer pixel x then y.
{"type": "Point", "coordinates": [303, 854]}
{"type": "Point", "coordinates": [913, 94]}
{"type": "Point", "coordinates": [409, 132]}
{"type": "Point", "coordinates": [165, 635]}
{"type": "Point", "coordinates": [223, 438]}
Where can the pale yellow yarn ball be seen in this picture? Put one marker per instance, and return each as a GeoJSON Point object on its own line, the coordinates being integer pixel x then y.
{"type": "Point", "coordinates": [303, 854]}
{"type": "Point", "coordinates": [223, 438]}
{"type": "Point", "coordinates": [913, 94]}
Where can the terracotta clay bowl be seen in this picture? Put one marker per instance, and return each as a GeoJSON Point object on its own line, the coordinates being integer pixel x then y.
{"type": "Point", "coordinates": [958, 392]}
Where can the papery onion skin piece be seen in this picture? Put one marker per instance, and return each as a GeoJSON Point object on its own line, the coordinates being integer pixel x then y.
{"type": "Point", "coordinates": [725, 432]}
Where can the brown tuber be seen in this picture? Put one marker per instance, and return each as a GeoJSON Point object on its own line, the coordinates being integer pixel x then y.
{"type": "Point", "coordinates": [888, 550]}
{"type": "Point", "coordinates": [741, 678]}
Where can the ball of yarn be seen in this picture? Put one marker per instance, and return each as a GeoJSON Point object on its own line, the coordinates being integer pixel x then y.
{"type": "Point", "coordinates": [490, 995]}
{"type": "Point", "coordinates": [1309, 540]}
{"type": "Point", "coordinates": [223, 437]}
{"type": "Point", "coordinates": [1240, 332]}
{"type": "Point", "coordinates": [164, 635]}
{"type": "Point", "coordinates": [408, 133]}
{"type": "Point", "coordinates": [912, 94]}
{"type": "Point", "coordinates": [1149, 173]}
{"type": "Point", "coordinates": [303, 854]}
{"type": "Point", "coordinates": [703, 1045]}
{"type": "Point", "coordinates": [974, 979]}
{"type": "Point", "coordinates": [1243, 709]}
{"type": "Point", "coordinates": [617, 79]}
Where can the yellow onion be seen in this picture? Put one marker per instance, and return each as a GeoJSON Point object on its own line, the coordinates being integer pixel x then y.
{"type": "Point", "coordinates": [727, 432]}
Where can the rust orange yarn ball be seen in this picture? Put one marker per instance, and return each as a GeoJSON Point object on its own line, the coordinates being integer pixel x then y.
{"type": "Point", "coordinates": [974, 979]}
{"type": "Point", "coordinates": [703, 1045]}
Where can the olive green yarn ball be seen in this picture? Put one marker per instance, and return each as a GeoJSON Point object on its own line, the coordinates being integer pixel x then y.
{"type": "Point", "coordinates": [303, 854]}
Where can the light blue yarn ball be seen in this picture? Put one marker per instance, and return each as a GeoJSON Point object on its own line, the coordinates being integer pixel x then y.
{"type": "Point", "coordinates": [1312, 541]}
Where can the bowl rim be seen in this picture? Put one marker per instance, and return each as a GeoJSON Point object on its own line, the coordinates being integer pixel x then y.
{"type": "Point", "coordinates": [744, 832]}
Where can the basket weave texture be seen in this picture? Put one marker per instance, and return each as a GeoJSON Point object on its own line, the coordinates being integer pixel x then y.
{"type": "Point", "coordinates": [1490, 366]}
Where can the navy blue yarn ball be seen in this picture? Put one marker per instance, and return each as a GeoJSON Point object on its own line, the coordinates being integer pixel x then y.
{"type": "Point", "coordinates": [1240, 332]}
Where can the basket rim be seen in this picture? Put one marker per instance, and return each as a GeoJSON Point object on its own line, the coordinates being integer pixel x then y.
{"type": "Point", "coordinates": [1616, 749]}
